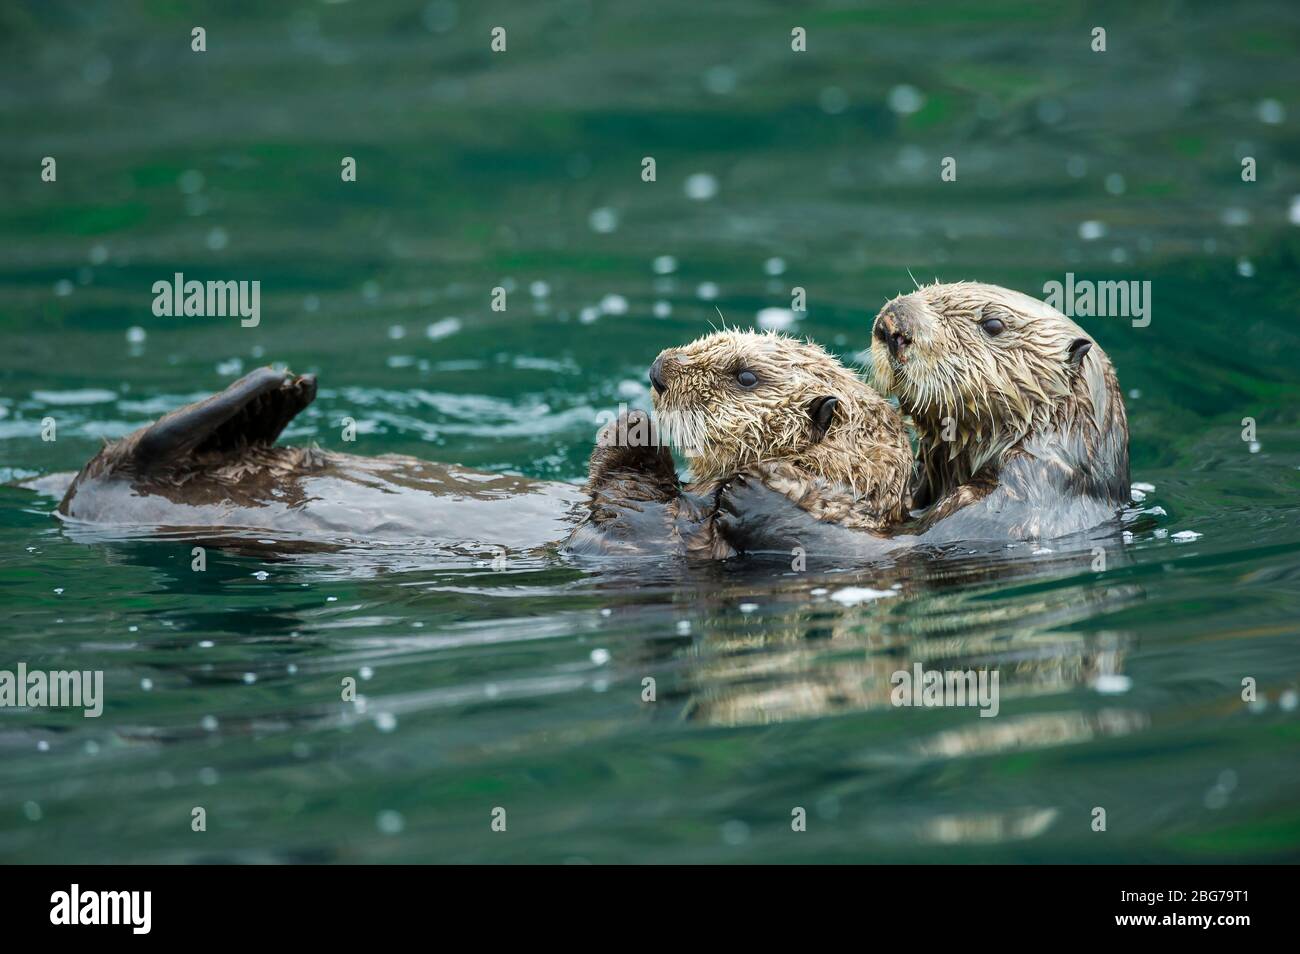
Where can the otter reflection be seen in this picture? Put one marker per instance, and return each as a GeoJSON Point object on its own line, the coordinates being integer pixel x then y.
{"type": "Point", "coordinates": [802, 654]}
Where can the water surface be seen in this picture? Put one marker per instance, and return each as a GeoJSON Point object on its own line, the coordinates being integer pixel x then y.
{"type": "Point", "coordinates": [521, 687]}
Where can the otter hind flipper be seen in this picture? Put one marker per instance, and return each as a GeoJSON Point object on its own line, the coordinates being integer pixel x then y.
{"type": "Point", "coordinates": [252, 411]}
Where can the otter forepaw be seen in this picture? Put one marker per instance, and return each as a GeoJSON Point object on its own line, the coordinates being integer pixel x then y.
{"type": "Point", "coordinates": [627, 449]}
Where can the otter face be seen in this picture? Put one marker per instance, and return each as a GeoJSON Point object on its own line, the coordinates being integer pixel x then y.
{"type": "Point", "coordinates": [736, 398]}
{"type": "Point", "coordinates": [985, 363]}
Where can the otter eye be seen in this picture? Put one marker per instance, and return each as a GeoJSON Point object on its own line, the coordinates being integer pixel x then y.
{"type": "Point", "coordinates": [992, 326]}
{"type": "Point", "coordinates": [746, 378]}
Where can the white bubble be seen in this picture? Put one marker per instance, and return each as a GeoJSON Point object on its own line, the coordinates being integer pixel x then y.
{"type": "Point", "coordinates": [1235, 217]}
{"type": "Point", "coordinates": [735, 832]}
{"type": "Point", "coordinates": [442, 329]}
{"type": "Point", "coordinates": [603, 220]}
{"type": "Point", "coordinates": [366, 672]}
{"type": "Point", "coordinates": [748, 607]}
{"type": "Point", "coordinates": [1091, 230]}
{"type": "Point", "coordinates": [774, 266]}
{"type": "Point", "coordinates": [1245, 268]}
{"type": "Point", "coordinates": [905, 100]}
{"type": "Point", "coordinates": [707, 291]}
{"type": "Point", "coordinates": [1187, 536]}
{"type": "Point", "coordinates": [1289, 700]}
{"type": "Point", "coordinates": [701, 186]}
{"type": "Point", "coordinates": [98, 254]}
{"type": "Point", "coordinates": [217, 239]}
{"type": "Point", "coordinates": [776, 319]}
{"type": "Point", "coordinates": [666, 264]}
{"type": "Point", "coordinates": [588, 314]}
{"type": "Point", "coordinates": [853, 595]}
{"type": "Point", "coordinates": [1076, 167]}
{"type": "Point", "coordinates": [1293, 213]}
{"type": "Point", "coordinates": [390, 822]}
{"type": "Point", "coordinates": [136, 335]}
{"type": "Point", "coordinates": [614, 305]}
{"type": "Point", "coordinates": [662, 309]}
{"type": "Point", "coordinates": [683, 627]}
{"type": "Point", "coordinates": [1112, 684]}
{"type": "Point", "coordinates": [1270, 111]}
{"type": "Point", "coordinates": [250, 678]}
{"type": "Point", "coordinates": [209, 723]}
{"type": "Point", "coordinates": [32, 810]}
{"type": "Point", "coordinates": [146, 684]}
{"type": "Point", "coordinates": [539, 289]}
{"type": "Point", "coordinates": [396, 332]}
{"type": "Point", "coordinates": [63, 288]}
{"type": "Point", "coordinates": [1115, 184]}
{"type": "Point", "coordinates": [208, 776]}
{"type": "Point", "coordinates": [599, 656]}
{"type": "Point", "coordinates": [385, 721]}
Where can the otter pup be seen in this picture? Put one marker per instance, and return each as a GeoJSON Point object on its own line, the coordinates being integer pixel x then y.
{"type": "Point", "coordinates": [761, 407]}
{"type": "Point", "coordinates": [1020, 425]}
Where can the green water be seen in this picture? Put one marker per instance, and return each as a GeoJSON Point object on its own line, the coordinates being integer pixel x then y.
{"type": "Point", "coordinates": [521, 688]}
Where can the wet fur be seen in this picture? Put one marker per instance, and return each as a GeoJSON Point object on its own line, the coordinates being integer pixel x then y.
{"type": "Point", "coordinates": [1039, 441]}
{"type": "Point", "coordinates": [854, 470]}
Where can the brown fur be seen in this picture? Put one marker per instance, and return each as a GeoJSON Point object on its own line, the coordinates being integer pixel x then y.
{"type": "Point", "coordinates": [981, 402]}
{"type": "Point", "coordinates": [854, 471]}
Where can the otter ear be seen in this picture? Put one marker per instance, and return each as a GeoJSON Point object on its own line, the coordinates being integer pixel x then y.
{"type": "Point", "coordinates": [1077, 351]}
{"type": "Point", "coordinates": [822, 412]}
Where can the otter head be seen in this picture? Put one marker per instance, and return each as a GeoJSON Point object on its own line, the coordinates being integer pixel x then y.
{"type": "Point", "coordinates": [980, 368]}
{"type": "Point", "coordinates": [734, 400]}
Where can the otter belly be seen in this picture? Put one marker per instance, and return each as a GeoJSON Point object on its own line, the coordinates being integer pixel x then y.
{"type": "Point", "coordinates": [342, 497]}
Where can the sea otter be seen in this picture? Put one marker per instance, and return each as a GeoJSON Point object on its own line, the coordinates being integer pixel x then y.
{"type": "Point", "coordinates": [1020, 424]}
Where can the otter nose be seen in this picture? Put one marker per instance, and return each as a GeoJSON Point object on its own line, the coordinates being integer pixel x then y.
{"type": "Point", "coordinates": [657, 375]}
{"type": "Point", "coordinates": [892, 331]}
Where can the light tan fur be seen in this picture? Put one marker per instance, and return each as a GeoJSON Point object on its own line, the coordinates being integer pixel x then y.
{"type": "Point", "coordinates": [854, 472]}
{"type": "Point", "coordinates": [978, 400]}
